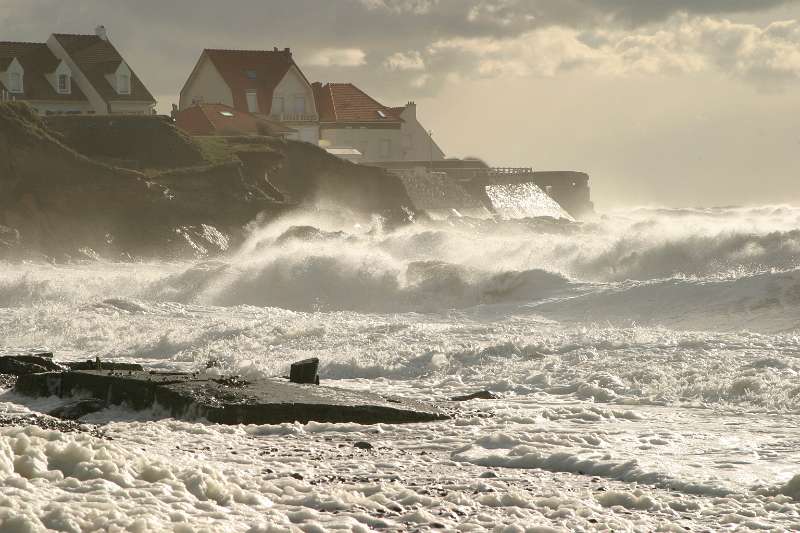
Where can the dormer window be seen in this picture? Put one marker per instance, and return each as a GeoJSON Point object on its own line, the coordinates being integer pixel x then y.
{"type": "Point", "coordinates": [15, 82]}
{"type": "Point", "coordinates": [124, 83]}
{"type": "Point", "coordinates": [121, 79]}
{"type": "Point", "coordinates": [251, 74]}
{"type": "Point", "coordinates": [64, 84]}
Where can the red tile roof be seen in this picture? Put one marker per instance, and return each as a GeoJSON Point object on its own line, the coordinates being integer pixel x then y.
{"type": "Point", "coordinates": [220, 119]}
{"type": "Point", "coordinates": [38, 61]}
{"type": "Point", "coordinates": [252, 70]}
{"type": "Point", "coordinates": [346, 103]}
{"type": "Point", "coordinates": [97, 57]}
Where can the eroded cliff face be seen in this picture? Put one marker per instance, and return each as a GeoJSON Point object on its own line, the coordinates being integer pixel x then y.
{"type": "Point", "coordinates": [87, 187]}
{"type": "Point", "coordinates": [58, 203]}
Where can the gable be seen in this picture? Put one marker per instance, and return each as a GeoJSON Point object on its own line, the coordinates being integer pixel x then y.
{"type": "Point", "coordinates": [255, 71]}
{"type": "Point", "coordinates": [97, 59]}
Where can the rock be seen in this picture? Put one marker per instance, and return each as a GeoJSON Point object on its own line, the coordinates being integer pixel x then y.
{"type": "Point", "coordinates": [305, 372]}
{"type": "Point", "coordinates": [78, 408]}
{"type": "Point", "coordinates": [480, 395]}
{"type": "Point", "coordinates": [362, 445]}
{"type": "Point", "coordinates": [19, 365]}
{"type": "Point", "coordinates": [103, 365]}
{"type": "Point", "coordinates": [230, 401]}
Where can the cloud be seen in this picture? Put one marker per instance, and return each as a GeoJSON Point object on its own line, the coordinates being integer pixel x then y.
{"type": "Point", "coordinates": [337, 57]}
{"type": "Point", "coordinates": [525, 37]}
{"type": "Point", "coordinates": [416, 7]}
{"type": "Point", "coordinates": [405, 61]}
{"type": "Point", "coordinates": [761, 55]}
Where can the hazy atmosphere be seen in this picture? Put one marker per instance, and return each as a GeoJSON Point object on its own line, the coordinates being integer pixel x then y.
{"type": "Point", "coordinates": [678, 103]}
{"type": "Point", "coordinates": [311, 266]}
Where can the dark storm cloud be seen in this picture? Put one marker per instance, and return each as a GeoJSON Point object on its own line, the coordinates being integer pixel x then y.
{"type": "Point", "coordinates": [383, 44]}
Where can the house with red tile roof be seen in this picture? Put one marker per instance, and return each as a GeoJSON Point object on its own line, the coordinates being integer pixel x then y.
{"type": "Point", "coordinates": [257, 82]}
{"type": "Point", "coordinates": [72, 74]}
{"type": "Point", "coordinates": [220, 119]}
{"type": "Point", "coordinates": [350, 118]}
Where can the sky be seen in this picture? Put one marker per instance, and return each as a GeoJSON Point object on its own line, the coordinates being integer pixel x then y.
{"type": "Point", "coordinates": [662, 102]}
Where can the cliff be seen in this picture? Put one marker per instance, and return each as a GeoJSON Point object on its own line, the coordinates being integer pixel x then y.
{"type": "Point", "coordinates": [57, 202]}
{"type": "Point", "coordinates": [124, 187]}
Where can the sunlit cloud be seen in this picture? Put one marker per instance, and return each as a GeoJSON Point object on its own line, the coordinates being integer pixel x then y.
{"type": "Point", "coordinates": [337, 57]}
{"type": "Point", "coordinates": [405, 61]}
{"type": "Point", "coordinates": [684, 45]}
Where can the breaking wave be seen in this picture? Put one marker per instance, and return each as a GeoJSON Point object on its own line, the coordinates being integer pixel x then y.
{"type": "Point", "coordinates": [668, 266]}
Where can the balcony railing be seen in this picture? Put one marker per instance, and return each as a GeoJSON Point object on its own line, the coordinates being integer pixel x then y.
{"type": "Point", "coordinates": [510, 171]}
{"type": "Point", "coordinates": [294, 117]}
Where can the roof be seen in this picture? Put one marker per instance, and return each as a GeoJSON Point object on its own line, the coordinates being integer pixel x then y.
{"type": "Point", "coordinates": [97, 58]}
{"type": "Point", "coordinates": [346, 103]}
{"type": "Point", "coordinates": [38, 61]}
{"type": "Point", "coordinates": [220, 119]}
{"type": "Point", "coordinates": [252, 70]}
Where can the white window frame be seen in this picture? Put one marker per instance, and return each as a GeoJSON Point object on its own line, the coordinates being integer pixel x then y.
{"type": "Point", "coordinates": [124, 83]}
{"type": "Point", "coordinates": [251, 97]}
{"type": "Point", "coordinates": [67, 88]}
{"type": "Point", "coordinates": [301, 100]}
{"type": "Point", "coordinates": [17, 87]}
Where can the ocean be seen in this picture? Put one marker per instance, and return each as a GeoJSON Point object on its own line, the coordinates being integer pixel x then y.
{"type": "Point", "coordinates": [646, 365]}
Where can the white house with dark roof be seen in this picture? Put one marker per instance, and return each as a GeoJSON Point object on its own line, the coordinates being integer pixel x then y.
{"type": "Point", "coordinates": [72, 74]}
{"type": "Point", "coordinates": [260, 82]}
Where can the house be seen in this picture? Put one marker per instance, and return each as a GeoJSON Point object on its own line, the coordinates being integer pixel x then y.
{"type": "Point", "coordinates": [72, 74]}
{"type": "Point", "coordinates": [350, 118]}
{"type": "Point", "coordinates": [258, 82]}
{"type": "Point", "coordinates": [220, 119]}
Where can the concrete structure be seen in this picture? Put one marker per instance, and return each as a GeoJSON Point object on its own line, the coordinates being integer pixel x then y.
{"type": "Point", "coordinates": [258, 82]}
{"type": "Point", "coordinates": [570, 189]}
{"type": "Point", "coordinates": [72, 74]}
{"type": "Point", "coordinates": [350, 118]}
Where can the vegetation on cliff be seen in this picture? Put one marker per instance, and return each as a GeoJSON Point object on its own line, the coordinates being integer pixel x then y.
{"type": "Point", "coordinates": [123, 186]}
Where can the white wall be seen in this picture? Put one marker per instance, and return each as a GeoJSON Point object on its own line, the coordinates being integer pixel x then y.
{"type": "Point", "coordinates": [16, 68]}
{"type": "Point", "coordinates": [293, 84]}
{"type": "Point", "coordinates": [130, 108]}
{"type": "Point", "coordinates": [417, 144]}
{"type": "Point", "coordinates": [49, 106]}
{"type": "Point", "coordinates": [207, 86]}
{"type": "Point", "coordinates": [365, 140]}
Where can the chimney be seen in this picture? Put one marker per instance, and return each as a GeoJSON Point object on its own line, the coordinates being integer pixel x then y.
{"type": "Point", "coordinates": [411, 108]}
{"type": "Point", "coordinates": [101, 32]}
{"type": "Point", "coordinates": [288, 53]}
{"type": "Point", "coordinates": [274, 48]}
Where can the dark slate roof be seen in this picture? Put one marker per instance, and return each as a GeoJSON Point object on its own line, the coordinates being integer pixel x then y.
{"type": "Point", "coordinates": [346, 103]}
{"type": "Point", "coordinates": [97, 58]}
{"type": "Point", "coordinates": [38, 61]}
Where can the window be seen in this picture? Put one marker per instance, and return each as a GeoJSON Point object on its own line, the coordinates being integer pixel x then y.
{"type": "Point", "coordinates": [277, 105]}
{"type": "Point", "coordinates": [300, 104]}
{"type": "Point", "coordinates": [251, 74]}
{"type": "Point", "coordinates": [15, 82]}
{"type": "Point", "coordinates": [124, 84]}
{"type": "Point", "coordinates": [386, 148]}
{"type": "Point", "coordinates": [64, 83]}
{"type": "Point", "coordinates": [252, 101]}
